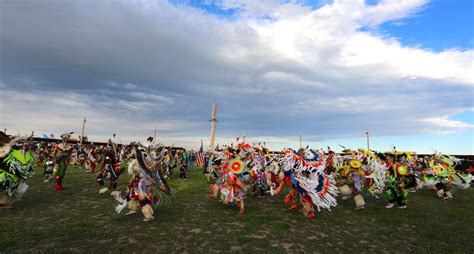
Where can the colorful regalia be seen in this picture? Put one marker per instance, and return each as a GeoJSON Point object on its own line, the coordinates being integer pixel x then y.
{"type": "Point", "coordinates": [143, 189]}
{"type": "Point", "coordinates": [229, 186]}
{"type": "Point", "coordinates": [441, 175]}
{"type": "Point", "coordinates": [62, 155]}
{"type": "Point", "coordinates": [48, 167]}
{"type": "Point", "coordinates": [243, 167]}
{"type": "Point", "coordinates": [304, 172]}
{"type": "Point", "coordinates": [234, 175]}
{"type": "Point", "coordinates": [351, 178]}
{"type": "Point", "coordinates": [316, 178]}
{"type": "Point", "coordinates": [396, 185]}
{"type": "Point", "coordinates": [91, 160]}
{"type": "Point", "coordinates": [15, 168]}
{"type": "Point", "coordinates": [111, 170]}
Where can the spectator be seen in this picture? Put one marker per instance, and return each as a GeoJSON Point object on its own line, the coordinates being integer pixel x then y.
{"type": "Point", "coordinates": [173, 160]}
{"type": "Point", "coordinates": [206, 163]}
{"type": "Point", "coordinates": [191, 160]}
{"type": "Point", "coordinates": [182, 164]}
{"type": "Point", "coordinates": [166, 165]}
{"type": "Point", "coordinates": [184, 157]}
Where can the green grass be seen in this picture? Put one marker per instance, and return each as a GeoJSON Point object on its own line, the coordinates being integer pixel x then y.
{"type": "Point", "coordinates": [78, 219]}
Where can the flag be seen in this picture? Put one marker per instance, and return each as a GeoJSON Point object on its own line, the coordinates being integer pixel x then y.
{"type": "Point", "coordinates": [200, 156]}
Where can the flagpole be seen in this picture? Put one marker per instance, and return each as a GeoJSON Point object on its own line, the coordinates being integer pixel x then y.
{"type": "Point", "coordinates": [301, 143]}
{"type": "Point", "coordinates": [154, 138]}
{"type": "Point", "coordinates": [368, 140]}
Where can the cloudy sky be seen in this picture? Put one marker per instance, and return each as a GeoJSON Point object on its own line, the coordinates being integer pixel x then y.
{"type": "Point", "coordinates": [329, 70]}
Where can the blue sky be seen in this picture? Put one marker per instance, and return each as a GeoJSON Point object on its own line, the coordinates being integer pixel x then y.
{"type": "Point", "coordinates": [439, 26]}
{"type": "Point", "coordinates": [326, 69]}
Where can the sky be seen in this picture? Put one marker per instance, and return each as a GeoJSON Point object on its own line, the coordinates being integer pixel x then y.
{"type": "Point", "coordinates": [326, 70]}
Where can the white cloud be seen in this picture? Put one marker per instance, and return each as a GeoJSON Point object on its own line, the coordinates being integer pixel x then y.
{"type": "Point", "coordinates": [389, 10]}
{"type": "Point", "coordinates": [443, 123]}
{"type": "Point", "coordinates": [329, 36]}
{"type": "Point", "coordinates": [150, 96]}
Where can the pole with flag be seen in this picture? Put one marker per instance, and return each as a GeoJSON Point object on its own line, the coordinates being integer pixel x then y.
{"type": "Point", "coordinates": [200, 156]}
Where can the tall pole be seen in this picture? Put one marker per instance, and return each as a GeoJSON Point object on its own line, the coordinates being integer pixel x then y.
{"type": "Point", "coordinates": [243, 139]}
{"type": "Point", "coordinates": [301, 142]}
{"type": "Point", "coordinates": [213, 124]}
{"type": "Point", "coordinates": [368, 140]}
{"type": "Point", "coordinates": [154, 138]}
{"type": "Point", "coordinates": [83, 127]}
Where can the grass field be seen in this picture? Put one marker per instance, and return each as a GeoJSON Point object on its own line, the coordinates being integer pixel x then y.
{"type": "Point", "coordinates": [78, 219]}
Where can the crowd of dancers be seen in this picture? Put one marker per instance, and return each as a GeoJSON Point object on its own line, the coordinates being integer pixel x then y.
{"type": "Point", "coordinates": [148, 166]}
{"type": "Point", "coordinates": [316, 179]}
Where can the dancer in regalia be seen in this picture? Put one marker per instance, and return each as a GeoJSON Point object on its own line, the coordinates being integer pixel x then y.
{"type": "Point", "coordinates": [111, 170]}
{"type": "Point", "coordinates": [15, 167]}
{"type": "Point", "coordinates": [91, 159]}
{"type": "Point", "coordinates": [233, 176]}
{"type": "Point", "coordinates": [396, 183]}
{"type": "Point", "coordinates": [304, 172]}
{"type": "Point", "coordinates": [48, 169]}
{"type": "Point", "coordinates": [62, 154]}
{"type": "Point", "coordinates": [146, 182]}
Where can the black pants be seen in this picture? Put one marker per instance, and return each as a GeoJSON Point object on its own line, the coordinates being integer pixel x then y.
{"type": "Point", "coordinates": [169, 170]}
{"type": "Point", "coordinates": [182, 172]}
{"type": "Point", "coordinates": [112, 182]}
{"type": "Point", "coordinates": [397, 196]}
{"type": "Point", "coordinates": [411, 181]}
{"type": "Point", "coordinates": [441, 186]}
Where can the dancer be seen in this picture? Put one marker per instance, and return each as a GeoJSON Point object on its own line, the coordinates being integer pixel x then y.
{"type": "Point", "coordinates": [230, 185]}
{"type": "Point", "coordinates": [396, 182]}
{"type": "Point", "coordinates": [91, 159]}
{"type": "Point", "coordinates": [15, 167]}
{"type": "Point", "coordinates": [351, 182]}
{"type": "Point", "coordinates": [304, 171]}
{"type": "Point", "coordinates": [111, 170]}
{"type": "Point", "coordinates": [144, 186]}
{"type": "Point", "coordinates": [62, 154]}
{"type": "Point", "coordinates": [48, 169]}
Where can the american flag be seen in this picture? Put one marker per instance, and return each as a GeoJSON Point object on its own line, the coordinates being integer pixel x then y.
{"type": "Point", "coordinates": [200, 156]}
